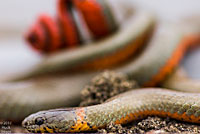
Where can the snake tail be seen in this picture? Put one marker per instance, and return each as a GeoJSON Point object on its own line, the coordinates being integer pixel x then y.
{"type": "Point", "coordinates": [73, 17]}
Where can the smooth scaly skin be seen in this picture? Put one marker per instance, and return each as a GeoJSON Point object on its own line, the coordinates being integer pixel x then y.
{"type": "Point", "coordinates": [126, 107]}
{"type": "Point", "coordinates": [27, 97]}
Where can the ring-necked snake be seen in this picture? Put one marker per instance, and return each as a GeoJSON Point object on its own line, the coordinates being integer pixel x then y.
{"type": "Point", "coordinates": [126, 107]}
{"type": "Point", "coordinates": [150, 68]}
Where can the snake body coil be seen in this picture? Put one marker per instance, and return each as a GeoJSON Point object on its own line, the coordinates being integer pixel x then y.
{"type": "Point", "coordinates": [48, 35]}
{"type": "Point", "coordinates": [126, 107]}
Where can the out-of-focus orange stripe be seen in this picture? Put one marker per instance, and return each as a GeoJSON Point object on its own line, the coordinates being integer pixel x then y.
{"type": "Point", "coordinates": [174, 60]}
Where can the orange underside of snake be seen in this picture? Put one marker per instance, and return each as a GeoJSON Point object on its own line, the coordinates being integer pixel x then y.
{"type": "Point", "coordinates": [50, 35]}
{"type": "Point", "coordinates": [83, 126]}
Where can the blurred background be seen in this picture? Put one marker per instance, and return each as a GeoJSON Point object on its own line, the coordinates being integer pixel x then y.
{"type": "Point", "coordinates": [17, 15]}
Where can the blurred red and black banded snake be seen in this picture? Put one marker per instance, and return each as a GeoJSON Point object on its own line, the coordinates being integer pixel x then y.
{"type": "Point", "coordinates": [150, 68]}
{"type": "Point", "coordinates": [49, 35]}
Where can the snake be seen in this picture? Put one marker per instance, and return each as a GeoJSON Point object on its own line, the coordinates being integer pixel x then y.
{"type": "Point", "coordinates": [124, 108]}
{"type": "Point", "coordinates": [132, 105]}
{"type": "Point", "coordinates": [138, 103]}
{"type": "Point", "coordinates": [150, 68]}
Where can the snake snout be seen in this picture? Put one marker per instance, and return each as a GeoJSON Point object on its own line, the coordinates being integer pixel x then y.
{"type": "Point", "coordinates": [34, 122]}
{"type": "Point", "coordinates": [50, 121]}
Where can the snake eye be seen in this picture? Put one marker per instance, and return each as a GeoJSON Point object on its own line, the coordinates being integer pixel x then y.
{"type": "Point", "coordinates": [39, 121]}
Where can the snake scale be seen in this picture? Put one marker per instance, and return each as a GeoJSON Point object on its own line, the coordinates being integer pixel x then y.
{"type": "Point", "coordinates": [29, 93]}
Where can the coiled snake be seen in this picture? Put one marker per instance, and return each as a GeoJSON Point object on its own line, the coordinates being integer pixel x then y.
{"type": "Point", "coordinates": [150, 68]}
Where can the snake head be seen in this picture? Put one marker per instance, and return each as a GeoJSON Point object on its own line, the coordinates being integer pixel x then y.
{"type": "Point", "coordinates": [59, 120]}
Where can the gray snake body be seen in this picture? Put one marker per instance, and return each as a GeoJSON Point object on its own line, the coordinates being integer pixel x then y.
{"type": "Point", "coordinates": [126, 107]}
